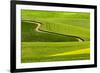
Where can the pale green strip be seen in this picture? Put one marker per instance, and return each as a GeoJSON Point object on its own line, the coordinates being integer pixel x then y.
{"type": "Point", "coordinates": [82, 51]}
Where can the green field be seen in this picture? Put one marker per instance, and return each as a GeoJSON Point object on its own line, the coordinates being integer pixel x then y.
{"type": "Point", "coordinates": [54, 36]}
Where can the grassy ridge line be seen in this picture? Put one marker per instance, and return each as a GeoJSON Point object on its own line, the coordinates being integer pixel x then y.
{"type": "Point", "coordinates": [56, 58]}
{"type": "Point", "coordinates": [57, 43]}
{"type": "Point", "coordinates": [40, 30]}
{"type": "Point", "coordinates": [33, 49]}
{"type": "Point", "coordinates": [81, 51]}
{"type": "Point", "coordinates": [42, 51]}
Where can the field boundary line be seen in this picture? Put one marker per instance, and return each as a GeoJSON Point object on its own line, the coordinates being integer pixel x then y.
{"type": "Point", "coordinates": [39, 30]}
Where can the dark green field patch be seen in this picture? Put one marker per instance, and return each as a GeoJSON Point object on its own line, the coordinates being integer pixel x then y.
{"type": "Point", "coordinates": [29, 34]}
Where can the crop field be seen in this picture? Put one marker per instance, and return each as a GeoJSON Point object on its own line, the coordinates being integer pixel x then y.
{"type": "Point", "coordinates": [48, 36]}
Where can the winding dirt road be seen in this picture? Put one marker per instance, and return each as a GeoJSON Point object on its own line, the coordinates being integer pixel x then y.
{"type": "Point", "coordinates": [39, 25]}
